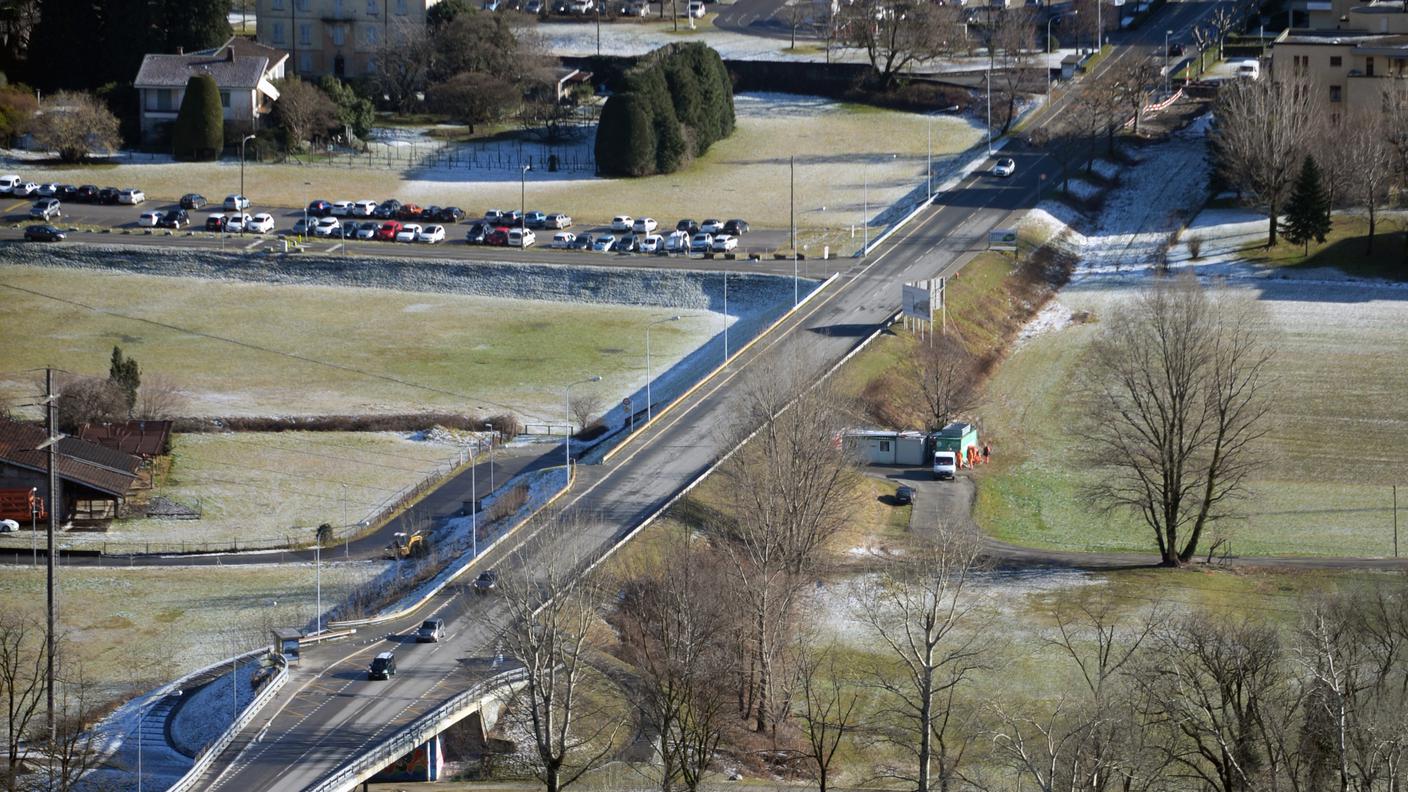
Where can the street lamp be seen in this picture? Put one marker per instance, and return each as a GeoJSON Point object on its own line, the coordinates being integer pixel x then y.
{"type": "Point", "coordinates": [647, 358]}
{"type": "Point", "coordinates": [318, 576]}
{"type": "Point", "coordinates": [988, 76]}
{"type": "Point", "coordinates": [523, 199]}
{"type": "Point", "coordinates": [490, 428]}
{"type": "Point", "coordinates": [1167, 75]}
{"type": "Point", "coordinates": [1048, 52]}
{"type": "Point", "coordinates": [593, 378]}
{"type": "Point", "coordinates": [243, 141]}
{"type": "Point", "coordinates": [474, 503]}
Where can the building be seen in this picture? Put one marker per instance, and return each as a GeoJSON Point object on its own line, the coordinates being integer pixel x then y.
{"type": "Point", "coordinates": [145, 439]}
{"type": "Point", "coordinates": [1347, 71]}
{"type": "Point", "coordinates": [1376, 16]}
{"type": "Point", "coordinates": [244, 71]}
{"type": "Point", "coordinates": [94, 480]}
{"type": "Point", "coordinates": [338, 37]}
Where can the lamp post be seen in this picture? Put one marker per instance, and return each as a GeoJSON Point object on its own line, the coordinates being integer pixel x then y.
{"type": "Point", "coordinates": [346, 529]}
{"type": "Point", "coordinates": [34, 525]}
{"type": "Point", "coordinates": [474, 503]}
{"type": "Point", "coordinates": [318, 576]}
{"type": "Point", "coordinates": [647, 357]}
{"type": "Point", "coordinates": [1099, 25]}
{"type": "Point", "coordinates": [243, 141]}
{"type": "Point", "coordinates": [568, 389]}
{"type": "Point", "coordinates": [1048, 52]}
{"type": "Point", "coordinates": [490, 428]}
{"type": "Point", "coordinates": [988, 76]}
{"type": "Point", "coordinates": [523, 200]}
{"type": "Point", "coordinates": [1167, 75]}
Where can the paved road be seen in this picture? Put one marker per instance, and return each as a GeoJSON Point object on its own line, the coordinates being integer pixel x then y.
{"type": "Point", "coordinates": [771, 18]}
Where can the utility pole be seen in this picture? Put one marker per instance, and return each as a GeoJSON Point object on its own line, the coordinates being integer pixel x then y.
{"type": "Point", "coordinates": [51, 445]}
{"type": "Point", "coordinates": [792, 202]}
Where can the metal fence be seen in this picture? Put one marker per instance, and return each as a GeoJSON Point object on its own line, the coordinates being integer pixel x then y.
{"type": "Point", "coordinates": [212, 750]}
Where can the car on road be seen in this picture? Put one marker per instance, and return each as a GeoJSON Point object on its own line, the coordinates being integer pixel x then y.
{"type": "Point", "coordinates": [622, 222]}
{"type": "Point", "coordinates": [45, 209]}
{"type": "Point", "coordinates": [174, 218]}
{"type": "Point", "coordinates": [1175, 50]}
{"type": "Point", "coordinates": [431, 631]}
{"type": "Point", "coordinates": [9, 182]}
{"type": "Point", "coordinates": [367, 229]}
{"type": "Point", "coordinates": [476, 233]}
{"type": "Point", "coordinates": [109, 195]}
{"type": "Point", "coordinates": [701, 243]}
{"type": "Point", "coordinates": [677, 242]}
{"type": "Point", "coordinates": [25, 190]}
{"type": "Point", "coordinates": [236, 203]}
{"type": "Point", "coordinates": [131, 196]}
{"type": "Point", "coordinates": [148, 219]}
{"type": "Point", "coordinates": [723, 243]}
{"type": "Point", "coordinates": [584, 241]}
{"type": "Point", "coordinates": [431, 235]}
{"type": "Point", "coordinates": [497, 237]}
{"type": "Point", "coordinates": [408, 233]}
{"type": "Point", "coordinates": [736, 227]}
{"type": "Point", "coordinates": [644, 225]}
{"type": "Point", "coordinates": [9, 526]}
{"type": "Point", "coordinates": [558, 221]}
{"type": "Point", "coordinates": [604, 243]}
{"type": "Point", "coordinates": [341, 209]}
{"type": "Point", "coordinates": [652, 243]}
{"type": "Point", "coordinates": [904, 495]}
{"type": "Point", "coordinates": [387, 209]}
{"type": "Point", "coordinates": [262, 223]}
{"type": "Point", "coordinates": [215, 222]}
{"type": "Point", "coordinates": [562, 240]}
{"type": "Point", "coordinates": [363, 208]}
{"type": "Point", "coordinates": [1004, 167]}
{"type": "Point", "coordinates": [88, 193]}
{"type": "Point", "coordinates": [388, 231]}
{"type": "Point", "coordinates": [43, 233]}
{"type": "Point", "coordinates": [521, 237]}
{"type": "Point", "coordinates": [535, 219]}
{"type": "Point", "coordinates": [487, 581]}
{"type": "Point", "coordinates": [193, 201]}
{"type": "Point", "coordinates": [695, 9]}
{"type": "Point", "coordinates": [327, 227]}
{"type": "Point", "coordinates": [711, 226]}
{"type": "Point", "coordinates": [383, 666]}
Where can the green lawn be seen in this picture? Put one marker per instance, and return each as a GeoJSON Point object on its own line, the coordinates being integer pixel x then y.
{"type": "Point", "coordinates": [1347, 248]}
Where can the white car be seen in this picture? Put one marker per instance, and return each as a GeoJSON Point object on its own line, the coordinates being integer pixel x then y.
{"type": "Point", "coordinates": [262, 223]}
{"type": "Point", "coordinates": [1005, 167]}
{"type": "Point", "coordinates": [148, 219]}
{"type": "Point", "coordinates": [341, 209]}
{"type": "Point", "coordinates": [1248, 70]}
{"type": "Point", "coordinates": [695, 9]}
{"type": "Point", "coordinates": [367, 230]}
{"type": "Point", "coordinates": [431, 234]}
{"type": "Point", "coordinates": [25, 189]}
{"type": "Point", "coordinates": [408, 233]}
{"type": "Point", "coordinates": [8, 183]}
{"type": "Point", "coordinates": [711, 226]}
{"type": "Point", "coordinates": [521, 237]}
{"type": "Point", "coordinates": [604, 243]}
{"type": "Point", "coordinates": [239, 223]}
{"type": "Point", "coordinates": [622, 223]}
{"type": "Point", "coordinates": [363, 208]}
{"type": "Point", "coordinates": [9, 526]}
{"type": "Point", "coordinates": [236, 203]}
{"type": "Point", "coordinates": [677, 242]}
{"type": "Point", "coordinates": [49, 190]}
{"type": "Point", "coordinates": [132, 196]}
{"type": "Point", "coordinates": [562, 240]}
{"type": "Point", "coordinates": [723, 243]}
{"type": "Point", "coordinates": [327, 227]}
{"type": "Point", "coordinates": [557, 220]}
{"type": "Point", "coordinates": [701, 243]}
{"type": "Point", "coordinates": [653, 243]}
{"type": "Point", "coordinates": [644, 225]}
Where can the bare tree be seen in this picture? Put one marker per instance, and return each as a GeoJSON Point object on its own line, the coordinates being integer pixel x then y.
{"type": "Point", "coordinates": [1130, 82]}
{"type": "Point", "coordinates": [945, 379]}
{"type": "Point", "coordinates": [1177, 402]}
{"type": "Point", "coordinates": [1011, 33]}
{"type": "Point", "coordinates": [1263, 128]}
{"type": "Point", "coordinates": [304, 111]}
{"type": "Point", "coordinates": [76, 125]}
{"type": "Point", "coordinates": [85, 400]}
{"type": "Point", "coordinates": [22, 684]}
{"type": "Point", "coordinates": [586, 408]}
{"type": "Point", "coordinates": [1364, 144]}
{"type": "Point", "coordinates": [159, 398]}
{"type": "Point", "coordinates": [402, 64]}
{"type": "Point", "coordinates": [917, 610]}
{"type": "Point", "coordinates": [895, 38]}
{"type": "Point", "coordinates": [78, 737]}
{"type": "Point", "coordinates": [827, 708]}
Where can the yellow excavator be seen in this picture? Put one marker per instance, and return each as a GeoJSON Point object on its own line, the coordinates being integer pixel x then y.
{"type": "Point", "coordinates": [404, 545]}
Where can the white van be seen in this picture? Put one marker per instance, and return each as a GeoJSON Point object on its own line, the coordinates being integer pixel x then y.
{"type": "Point", "coordinates": [1246, 70]}
{"type": "Point", "coordinates": [9, 183]}
{"type": "Point", "coordinates": [945, 465]}
{"type": "Point", "coordinates": [521, 237]}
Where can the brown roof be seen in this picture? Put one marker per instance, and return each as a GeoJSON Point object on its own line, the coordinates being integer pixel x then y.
{"type": "Point", "coordinates": [247, 47]}
{"type": "Point", "coordinates": [140, 438]}
{"type": "Point", "coordinates": [80, 462]}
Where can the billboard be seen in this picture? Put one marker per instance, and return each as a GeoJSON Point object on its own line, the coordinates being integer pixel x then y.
{"type": "Point", "coordinates": [1002, 239]}
{"type": "Point", "coordinates": [915, 302]}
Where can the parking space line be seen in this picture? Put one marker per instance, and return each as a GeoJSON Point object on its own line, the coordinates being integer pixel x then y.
{"type": "Point", "coordinates": [335, 248]}
{"type": "Point", "coordinates": [252, 245]}
{"type": "Point", "coordinates": [15, 206]}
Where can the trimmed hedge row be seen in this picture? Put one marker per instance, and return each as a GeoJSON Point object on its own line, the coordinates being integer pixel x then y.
{"type": "Point", "coordinates": [671, 106]}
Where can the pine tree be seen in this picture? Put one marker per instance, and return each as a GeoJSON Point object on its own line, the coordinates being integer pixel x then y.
{"type": "Point", "coordinates": [199, 131]}
{"type": "Point", "coordinates": [124, 373]}
{"type": "Point", "coordinates": [1308, 210]}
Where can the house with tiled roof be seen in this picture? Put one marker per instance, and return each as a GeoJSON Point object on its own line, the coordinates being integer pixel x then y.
{"type": "Point", "coordinates": [93, 480]}
{"type": "Point", "coordinates": [244, 71]}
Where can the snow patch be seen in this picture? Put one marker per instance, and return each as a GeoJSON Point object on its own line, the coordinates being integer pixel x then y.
{"type": "Point", "coordinates": [1052, 318]}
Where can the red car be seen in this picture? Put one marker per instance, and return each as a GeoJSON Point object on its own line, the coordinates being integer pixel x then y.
{"type": "Point", "coordinates": [388, 231]}
{"type": "Point", "coordinates": [499, 237]}
{"type": "Point", "coordinates": [409, 211]}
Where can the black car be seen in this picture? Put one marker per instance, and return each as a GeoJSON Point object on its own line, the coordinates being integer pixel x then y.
{"type": "Point", "coordinates": [216, 222]}
{"type": "Point", "coordinates": [66, 192]}
{"type": "Point", "coordinates": [193, 201]}
{"type": "Point", "coordinates": [450, 214]}
{"type": "Point", "coordinates": [584, 241]}
{"type": "Point", "coordinates": [431, 212]}
{"type": "Point", "coordinates": [688, 226]}
{"type": "Point", "coordinates": [626, 243]}
{"type": "Point", "coordinates": [736, 227]}
{"type": "Point", "coordinates": [1175, 50]}
{"type": "Point", "coordinates": [319, 209]}
{"type": "Point", "coordinates": [486, 582]}
{"type": "Point", "coordinates": [383, 666]}
{"type": "Point", "coordinates": [904, 496]}
{"type": "Point", "coordinates": [476, 233]}
{"type": "Point", "coordinates": [43, 233]}
{"type": "Point", "coordinates": [109, 195]}
{"type": "Point", "coordinates": [88, 193]}
{"type": "Point", "coordinates": [174, 218]}
{"type": "Point", "coordinates": [387, 209]}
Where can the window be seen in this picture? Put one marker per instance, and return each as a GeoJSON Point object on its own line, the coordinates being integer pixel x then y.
{"type": "Point", "coordinates": [302, 4]}
{"type": "Point", "coordinates": [884, 446]}
{"type": "Point", "coordinates": [1335, 93]}
{"type": "Point", "coordinates": [225, 99]}
{"type": "Point", "coordinates": [371, 65]}
{"type": "Point", "coordinates": [339, 35]}
{"type": "Point", "coordinates": [305, 61]}
{"type": "Point", "coordinates": [401, 7]}
{"type": "Point", "coordinates": [1369, 66]}
{"type": "Point", "coordinates": [1336, 61]}
{"type": "Point", "coordinates": [163, 99]}
{"type": "Point", "coordinates": [370, 35]}
{"type": "Point", "coordinates": [305, 34]}
{"type": "Point", "coordinates": [1301, 63]}
{"type": "Point", "coordinates": [278, 32]}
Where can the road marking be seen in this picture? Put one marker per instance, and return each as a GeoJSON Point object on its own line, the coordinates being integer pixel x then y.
{"type": "Point", "coordinates": [252, 245]}
{"type": "Point", "coordinates": [335, 248]}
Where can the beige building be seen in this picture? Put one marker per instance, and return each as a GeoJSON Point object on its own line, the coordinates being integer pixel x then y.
{"type": "Point", "coordinates": [339, 37]}
{"type": "Point", "coordinates": [1377, 16]}
{"type": "Point", "coordinates": [1347, 71]}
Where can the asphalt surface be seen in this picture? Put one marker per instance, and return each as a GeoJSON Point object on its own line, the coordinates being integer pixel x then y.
{"type": "Point", "coordinates": [771, 18]}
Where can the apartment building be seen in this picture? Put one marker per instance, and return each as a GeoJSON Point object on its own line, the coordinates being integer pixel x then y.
{"type": "Point", "coordinates": [1377, 16]}
{"type": "Point", "coordinates": [1347, 71]}
{"type": "Point", "coordinates": [339, 37]}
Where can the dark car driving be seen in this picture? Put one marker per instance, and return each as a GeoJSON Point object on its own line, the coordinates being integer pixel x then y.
{"type": "Point", "coordinates": [43, 233]}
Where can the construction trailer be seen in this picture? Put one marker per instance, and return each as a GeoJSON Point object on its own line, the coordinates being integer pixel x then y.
{"type": "Point", "coordinates": [961, 439]}
{"type": "Point", "coordinates": [882, 447]}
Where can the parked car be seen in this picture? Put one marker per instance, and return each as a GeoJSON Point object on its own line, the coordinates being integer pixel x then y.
{"type": "Point", "coordinates": [341, 209]}
{"type": "Point", "coordinates": [736, 227]}
{"type": "Point", "coordinates": [688, 226]}
{"type": "Point", "coordinates": [148, 219]}
{"type": "Point", "coordinates": [535, 219]}
{"type": "Point", "coordinates": [8, 183]}
{"type": "Point", "coordinates": [383, 666]}
{"type": "Point", "coordinates": [349, 229]}
{"type": "Point", "coordinates": [512, 217]}
{"type": "Point", "coordinates": [534, 7]}
{"type": "Point", "coordinates": [236, 203]}
{"type": "Point", "coordinates": [216, 222]}
{"type": "Point", "coordinates": [193, 201]}
{"type": "Point", "coordinates": [175, 218]}
{"type": "Point", "coordinates": [88, 193]}
{"type": "Point", "coordinates": [604, 243]}
{"type": "Point", "coordinates": [66, 192]}
{"type": "Point", "coordinates": [45, 209]}
{"type": "Point", "coordinates": [497, 237]}
{"type": "Point", "coordinates": [476, 233]}
{"type": "Point", "coordinates": [904, 496]}
{"type": "Point", "coordinates": [238, 223]}
{"type": "Point", "coordinates": [652, 243]}
{"type": "Point", "coordinates": [487, 581]}
{"type": "Point", "coordinates": [644, 225]}
{"type": "Point", "coordinates": [327, 227]}
{"type": "Point", "coordinates": [562, 240]}
{"type": "Point", "coordinates": [262, 223]}
{"type": "Point", "coordinates": [367, 229]}
{"type": "Point", "coordinates": [387, 209]}
{"type": "Point", "coordinates": [363, 208]}
{"type": "Point", "coordinates": [1005, 167]}
{"type": "Point", "coordinates": [583, 241]}
{"type": "Point", "coordinates": [9, 526]}
{"type": "Point", "coordinates": [636, 8]}
{"type": "Point", "coordinates": [1175, 49]}
{"type": "Point", "coordinates": [521, 237]}
{"type": "Point", "coordinates": [557, 220]}
{"type": "Point", "coordinates": [301, 227]}
{"type": "Point", "coordinates": [1246, 70]}
{"type": "Point", "coordinates": [695, 9]}
{"type": "Point", "coordinates": [109, 195]}
{"type": "Point", "coordinates": [431, 235]}
{"type": "Point", "coordinates": [408, 211]}
{"type": "Point", "coordinates": [388, 231]}
{"type": "Point", "coordinates": [49, 190]}
{"type": "Point", "coordinates": [430, 212]}
{"type": "Point", "coordinates": [43, 233]}
{"type": "Point", "coordinates": [408, 233]}
{"type": "Point", "coordinates": [622, 223]}
{"type": "Point", "coordinates": [701, 243]}
{"type": "Point", "coordinates": [711, 226]}
{"type": "Point", "coordinates": [677, 242]}
{"type": "Point", "coordinates": [493, 215]}
{"type": "Point", "coordinates": [450, 214]}
{"type": "Point", "coordinates": [131, 196]}
{"type": "Point", "coordinates": [723, 243]}
{"type": "Point", "coordinates": [431, 631]}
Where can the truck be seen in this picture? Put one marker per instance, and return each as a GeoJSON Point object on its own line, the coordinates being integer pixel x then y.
{"type": "Point", "coordinates": [22, 505]}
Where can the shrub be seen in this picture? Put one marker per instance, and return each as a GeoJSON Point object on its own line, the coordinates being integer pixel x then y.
{"type": "Point", "coordinates": [507, 425]}
{"type": "Point", "coordinates": [199, 133]}
{"type": "Point", "coordinates": [77, 125]}
{"type": "Point", "coordinates": [1195, 247]}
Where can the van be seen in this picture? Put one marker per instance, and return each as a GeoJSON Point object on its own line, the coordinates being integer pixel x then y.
{"type": "Point", "coordinates": [383, 666]}
{"type": "Point", "coordinates": [521, 238]}
{"type": "Point", "coordinates": [8, 183]}
{"type": "Point", "coordinates": [1246, 70]}
{"type": "Point", "coordinates": [945, 465]}
{"type": "Point", "coordinates": [431, 631]}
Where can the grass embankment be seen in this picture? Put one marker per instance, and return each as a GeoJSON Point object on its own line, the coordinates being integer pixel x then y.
{"type": "Point", "coordinates": [1347, 249]}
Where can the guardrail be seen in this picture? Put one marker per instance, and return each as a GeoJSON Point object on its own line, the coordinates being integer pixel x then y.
{"type": "Point", "coordinates": [349, 775]}
{"type": "Point", "coordinates": [211, 751]}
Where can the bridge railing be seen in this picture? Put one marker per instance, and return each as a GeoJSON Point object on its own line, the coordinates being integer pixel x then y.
{"type": "Point", "coordinates": [421, 730]}
{"type": "Point", "coordinates": [213, 750]}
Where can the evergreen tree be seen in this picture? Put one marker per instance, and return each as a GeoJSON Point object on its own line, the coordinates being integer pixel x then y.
{"type": "Point", "coordinates": [355, 112]}
{"type": "Point", "coordinates": [124, 373]}
{"type": "Point", "coordinates": [199, 132]}
{"type": "Point", "coordinates": [1308, 210]}
{"type": "Point", "coordinates": [66, 45]}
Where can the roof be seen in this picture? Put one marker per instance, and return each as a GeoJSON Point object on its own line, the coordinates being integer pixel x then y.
{"type": "Point", "coordinates": [247, 48]}
{"type": "Point", "coordinates": [140, 438]}
{"type": "Point", "coordinates": [79, 461]}
{"type": "Point", "coordinates": [1342, 38]}
{"type": "Point", "coordinates": [956, 429]}
{"type": "Point", "coordinates": [229, 69]}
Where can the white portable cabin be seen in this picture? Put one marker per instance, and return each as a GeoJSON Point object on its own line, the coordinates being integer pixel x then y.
{"type": "Point", "coordinates": [881, 447]}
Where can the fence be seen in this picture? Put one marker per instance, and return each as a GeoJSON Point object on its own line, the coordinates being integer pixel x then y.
{"type": "Point", "coordinates": [575, 159]}
{"type": "Point", "coordinates": [208, 754]}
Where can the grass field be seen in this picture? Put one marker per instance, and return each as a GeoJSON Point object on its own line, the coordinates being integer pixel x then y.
{"type": "Point", "coordinates": [1337, 439]}
{"type": "Point", "coordinates": [838, 152]}
{"type": "Point", "coordinates": [135, 628]}
{"type": "Point", "coordinates": [299, 351]}
{"type": "Point", "coordinates": [1346, 248]}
